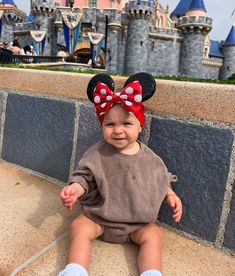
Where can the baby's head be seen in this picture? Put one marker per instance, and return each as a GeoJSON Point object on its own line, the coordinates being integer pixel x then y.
{"type": "Point", "coordinates": [121, 115]}
{"type": "Point", "coordinates": [137, 89]}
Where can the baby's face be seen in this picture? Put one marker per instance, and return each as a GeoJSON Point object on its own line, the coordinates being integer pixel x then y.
{"type": "Point", "coordinates": [121, 129]}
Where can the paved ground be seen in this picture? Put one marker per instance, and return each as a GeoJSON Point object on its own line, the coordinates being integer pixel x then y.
{"type": "Point", "coordinates": [34, 240]}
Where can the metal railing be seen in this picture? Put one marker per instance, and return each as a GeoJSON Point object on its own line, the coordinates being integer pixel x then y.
{"type": "Point", "coordinates": [7, 57]}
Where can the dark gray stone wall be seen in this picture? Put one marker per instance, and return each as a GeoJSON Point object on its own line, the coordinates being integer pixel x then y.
{"type": "Point", "coordinates": [229, 237]}
{"type": "Point", "coordinates": [38, 134]}
{"type": "Point", "coordinates": [2, 100]}
{"type": "Point", "coordinates": [163, 57]}
{"type": "Point", "coordinates": [89, 131]}
{"type": "Point", "coordinates": [200, 156]}
{"type": "Point", "coordinates": [211, 72]}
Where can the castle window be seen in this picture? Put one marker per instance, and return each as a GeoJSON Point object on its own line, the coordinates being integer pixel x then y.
{"type": "Point", "coordinates": [93, 3]}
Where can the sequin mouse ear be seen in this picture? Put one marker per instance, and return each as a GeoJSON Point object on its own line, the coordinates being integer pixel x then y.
{"type": "Point", "coordinates": [147, 82]}
{"type": "Point", "coordinates": [106, 79]}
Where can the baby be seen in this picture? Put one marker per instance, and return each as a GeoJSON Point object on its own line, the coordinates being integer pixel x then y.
{"type": "Point", "coordinates": [119, 181]}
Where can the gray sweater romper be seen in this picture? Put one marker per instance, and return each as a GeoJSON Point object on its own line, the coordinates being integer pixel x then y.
{"type": "Point", "coordinates": [123, 192]}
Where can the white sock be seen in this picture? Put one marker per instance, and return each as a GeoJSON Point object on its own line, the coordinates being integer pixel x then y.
{"type": "Point", "coordinates": [73, 270]}
{"type": "Point", "coordinates": [151, 272]}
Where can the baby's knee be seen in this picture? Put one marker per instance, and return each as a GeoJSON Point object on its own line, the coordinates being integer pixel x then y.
{"type": "Point", "coordinates": [154, 231]}
{"type": "Point", "coordinates": [149, 233]}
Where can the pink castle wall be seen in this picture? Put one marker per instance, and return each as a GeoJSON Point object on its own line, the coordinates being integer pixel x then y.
{"type": "Point", "coordinates": [101, 4]}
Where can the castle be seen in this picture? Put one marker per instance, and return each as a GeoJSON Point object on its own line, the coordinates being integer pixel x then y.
{"type": "Point", "coordinates": [141, 36]}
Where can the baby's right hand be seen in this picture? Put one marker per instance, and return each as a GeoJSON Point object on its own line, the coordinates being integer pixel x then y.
{"type": "Point", "coordinates": [70, 194]}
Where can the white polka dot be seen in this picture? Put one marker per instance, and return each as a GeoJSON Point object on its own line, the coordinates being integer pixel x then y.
{"type": "Point", "coordinates": [124, 97]}
{"type": "Point", "coordinates": [103, 105]}
{"type": "Point", "coordinates": [103, 91]}
{"type": "Point", "coordinates": [102, 113]}
{"type": "Point", "coordinates": [97, 99]}
{"type": "Point", "coordinates": [128, 103]}
{"type": "Point", "coordinates": [131, 113]}
{"type": "Point", "coordinates": [129, 90]}
{"type": "Point", "coordinates": [138, 98]}
{"type": "Point", "coordinates": [109, 98]}
{"type": "Point", "coordinates": [118, 93]}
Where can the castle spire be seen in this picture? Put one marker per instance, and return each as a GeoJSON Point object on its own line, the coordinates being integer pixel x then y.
{"type": "Point", "coordinates": [8, 2]}
{"type": "Point", "coordinates": [230, 40]}
{"type": "Point", "coordinates": [181, 8]}
{"type": "Point", "coordinates": [197, 5]}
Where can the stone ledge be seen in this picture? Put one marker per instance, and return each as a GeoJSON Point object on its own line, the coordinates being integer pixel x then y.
{"type": "Point", "coordinates": [212, 102]}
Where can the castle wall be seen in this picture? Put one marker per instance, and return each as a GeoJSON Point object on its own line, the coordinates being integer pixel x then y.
{"type": "Point", "coordinates": [163, 58]}
{"type": "Point", "coordinates": [211, 68]}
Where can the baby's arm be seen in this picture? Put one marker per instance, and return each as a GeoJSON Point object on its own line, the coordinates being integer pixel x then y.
{"type": "Point", "coordinates": [175, 203]}
{"type": "Point", "coordinates": [70, 194]}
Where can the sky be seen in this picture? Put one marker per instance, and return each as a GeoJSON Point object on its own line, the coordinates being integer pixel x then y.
{"type": "Point", "coordinates": [219, 10]}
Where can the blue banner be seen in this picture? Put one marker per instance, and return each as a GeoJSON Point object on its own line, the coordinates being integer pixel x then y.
{"type": "Point", "coordinates": [92, 52]}
{"type": "Point", "coordinates": [66, 37]}
{"type": "Point", "coordinates": [76, 32]}
{"type": "Point", "coordinates": [98, 49]}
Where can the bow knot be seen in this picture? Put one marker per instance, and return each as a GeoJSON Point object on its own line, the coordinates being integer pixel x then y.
{"type": "Point", "coordinates": [130, 97]}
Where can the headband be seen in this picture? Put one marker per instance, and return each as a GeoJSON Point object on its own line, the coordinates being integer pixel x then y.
{"type": "Point", "coordinates": [137, 89]}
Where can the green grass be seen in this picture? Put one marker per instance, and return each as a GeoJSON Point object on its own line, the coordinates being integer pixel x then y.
{"type": "Point", "coordinates": [231, 80]}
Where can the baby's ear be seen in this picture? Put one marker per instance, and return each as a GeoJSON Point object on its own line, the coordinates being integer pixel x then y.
{"type": "Point", "coordinates": [104, 78]}
{"type": "Point", "coordinates": [147, 83]}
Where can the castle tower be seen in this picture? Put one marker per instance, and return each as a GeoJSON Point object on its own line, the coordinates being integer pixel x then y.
{"type": "Point", "coordinates": [10, 15]}
{"type": "Point", "coordinates": [139, 13]}
{"type": "Point", "coordinates": [43, 11]}
{"type": "Point", "coordinates": [228, 67]}
{"type": "Point", "coordinates": [195, 25]}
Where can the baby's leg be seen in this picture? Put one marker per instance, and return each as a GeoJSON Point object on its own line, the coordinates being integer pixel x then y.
{"type": "Point", "coordinates": [82, 231]}
{"type": "Point", "coordinates": [150, 240]}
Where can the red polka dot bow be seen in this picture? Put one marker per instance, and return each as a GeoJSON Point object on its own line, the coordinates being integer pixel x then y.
{"type": "Point", "coordinates": [130, 97]}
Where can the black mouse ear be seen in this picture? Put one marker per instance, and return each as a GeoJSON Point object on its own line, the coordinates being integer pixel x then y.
{"type": "Point", "coordinates": [106, 79]}
{"type": "Point", "coordinates": [147, 82]}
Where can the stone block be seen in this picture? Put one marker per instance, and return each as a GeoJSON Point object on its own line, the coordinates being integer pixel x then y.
{"type": "Point", "coordinates": [1, 108]}
{"type": "Point", "coordinates": [229, 237]}
{"type": "Point", "coordinates": [200, 157]}
{"type": "Point", "coordinates": [38, 134]}
{"type": "Point", "coordinates": [89, 131]}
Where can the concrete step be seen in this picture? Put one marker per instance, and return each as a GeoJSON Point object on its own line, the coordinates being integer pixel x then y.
{"type": "Point", "coordinates": [34, 238]}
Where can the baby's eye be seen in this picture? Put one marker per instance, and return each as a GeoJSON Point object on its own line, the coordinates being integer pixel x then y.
{"type": "Point", "coordinates": [109, 124]}
{"type": "Point", "coordinates": [127, 123]}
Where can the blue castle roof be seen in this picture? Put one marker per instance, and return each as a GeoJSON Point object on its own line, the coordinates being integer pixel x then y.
{"type": "Point", "coordinates": [197, 5]}
{"type": "Point", "coordinates": [30, 18]}
{"type": "Point", "coordinates": [230, 40]}
{"type": "Point", "coordinates": [188, 5]}
{"type": "Point", "coordinates": [182, 7]}
{"type": "Point", "coordinates": [8, 2]}
{"type": "Point", "coordinates": [215, 49]}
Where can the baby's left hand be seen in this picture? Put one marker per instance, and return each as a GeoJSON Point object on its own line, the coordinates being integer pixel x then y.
{"type": "Point", "coordinates": [175, 203]}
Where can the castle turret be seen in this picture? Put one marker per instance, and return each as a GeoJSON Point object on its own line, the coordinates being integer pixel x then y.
{"type": "Point", "coordinates": [195, 26]}
{"type": "Point", "coordinates": [10, 15]}
{"type": "Point", "coordinates": [228, 50]}
{"type": "Point", "coordinates": [139, 13]}
{"type": "Point", "coordinates": [43, 11]}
